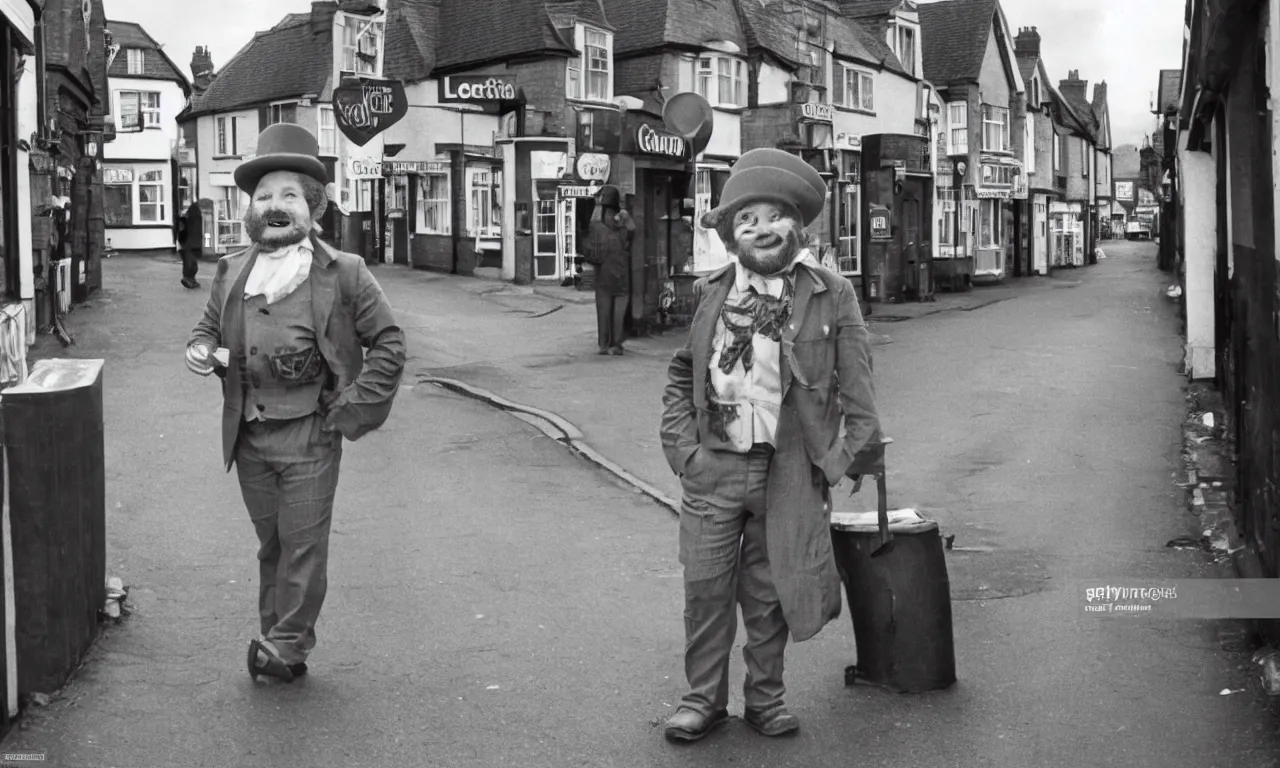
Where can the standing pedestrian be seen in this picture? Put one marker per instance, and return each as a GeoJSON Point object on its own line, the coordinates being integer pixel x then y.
{"type": "Point", "coordinates": [292, 319]}
{"type": "Point", "coordinates": [776, 360]}
{"type": "Point", "coordinates": [191, 243]}
{"type": "Point", "coordinates": [609, 249]}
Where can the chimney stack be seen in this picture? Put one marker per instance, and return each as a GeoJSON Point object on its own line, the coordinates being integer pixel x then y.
{"type": "Point", "coordinates": [322, 13]}
{"type": "Point", "coordinates": [201, 68]}
{"type": "Point", "coordinates": [1099, 95]}
{"type": "Point", "coordinates": [1074, 89]}
{"type": "Point", "coordinates": [1027, 43]}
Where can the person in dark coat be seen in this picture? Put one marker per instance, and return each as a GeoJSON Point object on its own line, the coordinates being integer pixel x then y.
{"type": "Point", "coordinates": [609, 249]}
{"type": "Point", "coordinates": [191, 241]}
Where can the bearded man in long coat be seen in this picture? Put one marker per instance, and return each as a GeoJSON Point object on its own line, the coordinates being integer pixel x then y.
{"type": "Point", "coordinates": [777, 360]}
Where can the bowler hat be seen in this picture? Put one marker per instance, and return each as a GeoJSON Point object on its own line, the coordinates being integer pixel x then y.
{"type": "Point", "coordinates": [282, 147]}
{"type": "Point", "coordinates": [770, 175]}
{"type": "Point", "coordinates": [610, 197]}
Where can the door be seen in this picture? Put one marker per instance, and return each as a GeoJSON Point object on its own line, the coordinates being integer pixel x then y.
{"type": "Point", "coordinates": [850, 255]}
{"type": "Point", "coordinates": [911, 242]}
{"type": "Point", "coordinates": [567, 235]}
{"type": "Point", "coordinates": [546, 240]}
{"type": "Point", "coordinates": [1040, 227]}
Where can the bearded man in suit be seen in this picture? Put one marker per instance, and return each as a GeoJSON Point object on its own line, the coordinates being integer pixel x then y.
{"type": "Point", "coordinates": [777, 360]}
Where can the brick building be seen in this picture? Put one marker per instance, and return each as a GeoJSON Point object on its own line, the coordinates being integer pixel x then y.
{"type": "Point", "coordinates": [969, 56]}
{"type": "Point", "coordinates": [1085, 148]}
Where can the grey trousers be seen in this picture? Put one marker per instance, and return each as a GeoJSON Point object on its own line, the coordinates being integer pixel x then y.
{"type": "Point", "coordinates": [611, 314]}
{"type": "Point", "coordinates": [726, 565]}
{"type": "Point", "coordinates": [288, 474]}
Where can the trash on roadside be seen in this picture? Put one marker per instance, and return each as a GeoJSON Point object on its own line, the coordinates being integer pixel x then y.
{"type": "Point", "coordinates": [1269, 659]}
{"type": "Point", "coordinates": [1207, 420]}
{"type": "Point", "coordinates": [40, 699]}
{"type": "Point", "coordinates": [1228, 691]}
{"type": "Point", "coordinates": [116, 595]}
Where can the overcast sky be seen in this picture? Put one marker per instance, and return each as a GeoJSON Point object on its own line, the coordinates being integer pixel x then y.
{"type": "Point", "coordinates": [1125, 42]}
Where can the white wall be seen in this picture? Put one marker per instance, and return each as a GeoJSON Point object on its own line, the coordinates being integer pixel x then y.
{"type": "Point", "coordinates": [429, 123]}
{"type": "Point", "coordinates": [895, 106]}
{"type": "Point", "coordinates": [28, 118]}
{"type": "Point", "coordinates": [148, 143]}
{"type": "Point", "coordinates": [1199, 183]}
{"type": "Point", "coordinates": [212, 166]}
{"type": "Point", "coordinates": [773, 85]}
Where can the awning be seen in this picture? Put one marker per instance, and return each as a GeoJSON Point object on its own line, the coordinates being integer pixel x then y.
{"type": "Point", "coordinates": [21, 18]}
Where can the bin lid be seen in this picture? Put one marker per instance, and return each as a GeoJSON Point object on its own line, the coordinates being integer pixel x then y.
{"type": "Point", "coordinates": [58, 374]}
{"type": "Point", "coordinates": [904, 521]}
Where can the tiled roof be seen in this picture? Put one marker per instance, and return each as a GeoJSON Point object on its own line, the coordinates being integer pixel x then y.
{"type": "Point", "coordinates": [486, 31]}
{"type": "Point", "coordinates": [411, 42]}
{"type": "Point", "coordinates": [1069, 117]}
{"type": "Point", "coordinates": [649, 24]}
{"type": "Point", "coordinates": [288, 60]}
{"type": "Point", "coordinates": [767, 25]}
{"type": "Point", "coordinates": [156, 64]}
{"type": "Point", "coordinates": [1027, 68]}
{"type": "Point", "coordinates": [853, 41]}
{"type": "Point", "coordinates": [954, 35]}
{"type": "Point", "coordinates": [1170, 92]}
{"type": "Point", "coordinates": [855, 9]}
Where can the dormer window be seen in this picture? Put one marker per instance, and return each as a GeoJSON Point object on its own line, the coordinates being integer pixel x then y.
{"type": "Point", "coordinates": [135, 59]}
{"type": "Point", "coordinates": [721, 80]}
{"type": "Point", "coordinates": [589, 76]}
{"type": "Point", "coordinates": [904, 46]}
{"type": "Point", "coordinates": [361, 45]}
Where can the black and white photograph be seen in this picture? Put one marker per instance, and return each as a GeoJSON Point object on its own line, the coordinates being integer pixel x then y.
{"type": "Point", "coordinates": [639, 383]}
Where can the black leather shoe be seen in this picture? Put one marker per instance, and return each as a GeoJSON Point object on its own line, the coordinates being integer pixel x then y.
{"type": "Point", "coordinates": [687, 725]}
{"type": "Point", "coordinates": [775, 722]}
{"type": "Point", "coordinates": [298, 669]}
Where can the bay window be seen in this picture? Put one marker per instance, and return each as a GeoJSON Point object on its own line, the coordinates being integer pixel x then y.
{"type": "Point", "coordinates": [721, 81]}
{"type": "Point", "coordinates": [589, 76]}
{"type": "Point", "coordinates": [857, 91]}
{"type": "Point", "coordinates": [995, 128]}
{"type": "Point", "coordinates": [434, 209]}
{"type": "Point", "coordinates": [958, 119]}
{"type": "Point", "coordinates": [991, 232]}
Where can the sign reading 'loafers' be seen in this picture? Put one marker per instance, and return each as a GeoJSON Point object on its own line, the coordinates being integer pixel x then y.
{"type": "Point", "coordinates": [365, 107]}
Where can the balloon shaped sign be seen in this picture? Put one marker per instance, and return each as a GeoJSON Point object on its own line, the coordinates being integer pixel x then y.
{"type": "Point", "coordinates": [365, 107]}
{"type": "Point", "coordinates": [687, 114]}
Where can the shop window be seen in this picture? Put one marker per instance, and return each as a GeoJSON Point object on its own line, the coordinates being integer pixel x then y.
{"type": "Point", "coordinates": [228, 211]}
{"type": "Point", "coordinates": [995, 128]}
{"type": "Point", "coordinates": [991, 224]}
{"type": "Point", "coordinates": [151, 197]}
{"type": "Point", "coordinates": [546, 240]}
{"type": "Point", "coordinates": [709, 252]}
{"type": "Point", "coordinates": [328, 131]}
{"type": "Point", "coordinates": [434, 207]}
{"type": "Point", "coordinates": [117, 204]}
{"type": "Point", "coordinates": [589, 76]}
{"type": "Point", "coordinates": [484, 193]}
{"type": "Point", "coordinates": [136, 58]}
{"type": "Point", "coordinates": [283, 113]}
{"type": "Point", "coordinates": [849, 255]}
{"type": "Point", "coordinates": [958, 119]}
{"type": "Point", "coordinates": [721, 81]}
{"type": "Point", "coordinates": [859, 90]}
{"type": "Point", "coordinates": [399, 194]}
{"type": "Point", "coordinates": [138, 110]}
{"type": "Point", "coordinates": [947, 204]}
{"type": "Point", "coordinates": [361, 44]}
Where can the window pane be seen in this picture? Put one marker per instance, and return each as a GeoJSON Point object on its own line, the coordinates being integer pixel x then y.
{"type": "Point", "coordinates": [117, 205]}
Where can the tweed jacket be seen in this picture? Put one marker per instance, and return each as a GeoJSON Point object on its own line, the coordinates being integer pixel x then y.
{"type": "Point", "coordinates": [351, 315]}
{"type": "Point", "coordinates": [826, 384]}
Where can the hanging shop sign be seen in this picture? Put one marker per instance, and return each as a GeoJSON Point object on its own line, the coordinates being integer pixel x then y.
{"type": "Point", "coordinates": [117, 175]}
{"type": "Point", "coordinates": [655, 142]}
{"type": "Point", "coordinates": [878, 215]}
{"type": "Point", "coordinates": [476, 89]}
{"type": "Point", "coordinates": [849, 141]}
{"type": "Point", "coordinates": [1124, 190]}
{"type": "Point", "coordinates": [820, 113]}
{"type": "Point", "coordinates": [365, 107]}
{"type": "Point", "coordinates": [593, 166]}
{"type": "Point", "coordinates": [579, 190]}
{"type": "Point", "coordinates": [363, 168]}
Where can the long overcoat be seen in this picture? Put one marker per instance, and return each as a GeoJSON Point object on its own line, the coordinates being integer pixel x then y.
{"type": "Point", "coordinates": [826, 380]}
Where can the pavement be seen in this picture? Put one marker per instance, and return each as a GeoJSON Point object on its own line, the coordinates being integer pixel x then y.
{"type": "Point", "coordinates": [495, 599]}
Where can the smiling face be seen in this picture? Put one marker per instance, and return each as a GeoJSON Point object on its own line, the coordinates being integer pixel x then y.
{"type": "Point", "coordinates": [281, 213]}
{"type": "Point", "coordinates": [766, 237]}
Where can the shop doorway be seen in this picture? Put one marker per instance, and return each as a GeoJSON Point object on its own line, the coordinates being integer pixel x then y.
{"type": "Point", "coordinates": [913, 241]}
{"type": "Point", "coordinates": [555, 232]}
{"type": "Point", "coordinates": [1040, 226]}
{"type": "Point", "coordinates": [655, 207]}
{"type": "Point", "coordinates": [849, 243]}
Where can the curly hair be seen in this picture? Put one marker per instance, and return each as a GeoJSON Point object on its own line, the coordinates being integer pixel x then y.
{"type": "Point", "coordinates": [316, 196]}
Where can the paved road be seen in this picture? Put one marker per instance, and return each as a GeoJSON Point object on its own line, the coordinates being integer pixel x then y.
{"type": "Point", "coordinates": [472, 552]}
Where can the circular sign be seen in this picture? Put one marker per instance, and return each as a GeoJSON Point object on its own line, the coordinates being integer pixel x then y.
{"type": "Point", "coordinates": [686, 113]}
{"type": "Point", "coordinates": [593, 167]}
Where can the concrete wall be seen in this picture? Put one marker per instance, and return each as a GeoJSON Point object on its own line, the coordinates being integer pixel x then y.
{"type": "Point", "coordinates": [1199, 184]}
{"type": "Point", "coordinates": [150, 143]}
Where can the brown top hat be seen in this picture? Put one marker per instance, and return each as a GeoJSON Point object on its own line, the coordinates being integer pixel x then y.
{"type": "Point", "coordinates": [282, 147]}
{"type": "Point", "coordinates": [771, 175]}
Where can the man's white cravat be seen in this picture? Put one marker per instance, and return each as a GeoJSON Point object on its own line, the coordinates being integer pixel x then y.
{"type": "Point", "coordinates": [278, 273]}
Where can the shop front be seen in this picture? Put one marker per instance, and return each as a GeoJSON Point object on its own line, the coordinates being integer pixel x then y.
{"type": "Point", "coordinates": [443, 214]}
{"type": "Point", "coordinates": [997, 182]}
{"type": "Point", "coordinates": [137, 205]}
{"type": "Point", "coordinates": [897, 187]}
{"type": "Point", "coordinates": [537, 223]}
{"type": "Point", "coordinates": [1066, 226]}
{"type": "Point", "coordinates": [953, 264]}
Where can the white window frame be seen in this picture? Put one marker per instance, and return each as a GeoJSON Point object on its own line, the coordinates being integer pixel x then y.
{"type": "Point", "coordinates": [1000, 127]}
{"type": "Point", "coordinates": [136, 61]}
{"type": "Point", "coordinates": [713, 74]}
{"type": "Point", "coordinates": [958, 121]}
{"type": "Point", "coordinates": [1085, 157]}
{"type": "Point", "coordinates": [132, 200]}
{"type": "Point", "coordinates": [948, 209]}
{"type": "Point", "coordinates": [1057, 154]}
{"type": "Point", "coordinates": [709, 252]}
{"type": "Point", "coordinates": [328, 130]}
{"type": "Point", "coordinates": [578, 69]}
{"type": "Point", "coordinates": [152, 179]}
{"type": "Point", "coordinates": [349, 45]}
{"type": "Point", "coordinates": [440, 206]}
{"type": "Point", "coordinates": [146, 107]}
{"type": "Point", "coordinates": [865, 82]}
{"type": "Point", "coordinates": [484, 184]}
{"type": "Point", "coordinates": [899, 32]}
{"type": "Point", "coordinates": [854, 238]}
{"type": "Point", "coordinates": [227, 141]}
{"type": "Point", "coordinates": [275, 112]}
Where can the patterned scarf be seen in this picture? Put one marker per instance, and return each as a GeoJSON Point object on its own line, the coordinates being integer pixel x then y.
{"type": "Point", "coordinates": [752, 314]}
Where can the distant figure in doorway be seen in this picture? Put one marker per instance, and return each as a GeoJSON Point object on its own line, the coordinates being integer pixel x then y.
{"type": "Point", "coordinates": [609, 250]}
{"type": "Point", "coordinates": [191, 242]}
